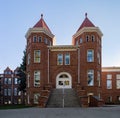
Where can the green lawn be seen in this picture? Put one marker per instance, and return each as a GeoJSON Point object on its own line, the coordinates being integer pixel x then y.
{"type": "Point", "coordinates": [13, 107]}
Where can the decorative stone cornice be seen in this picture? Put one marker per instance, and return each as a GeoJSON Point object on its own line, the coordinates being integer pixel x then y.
{"type": "Point", "coordinates": [110, 69]}
{"type": "Point", "coordinates": [38, 30]}
{"type": "Point", "coordinates": [63, 48]}
{"type": "Point", "coordinates": [88, 29]}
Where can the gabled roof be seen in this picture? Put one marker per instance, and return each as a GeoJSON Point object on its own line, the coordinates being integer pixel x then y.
{"type": "Point", "coordinates": [86, 23]}
{"type": "Point", "coordinates": [41, 23]}
{"type": "Point", "coordinates": [7, 69]}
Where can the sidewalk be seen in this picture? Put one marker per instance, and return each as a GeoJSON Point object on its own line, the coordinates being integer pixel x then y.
{"type": "Point", "coordinates": [101, 112]}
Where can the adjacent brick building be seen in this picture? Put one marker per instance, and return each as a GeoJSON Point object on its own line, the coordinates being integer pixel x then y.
{"type": "Point", "coordinates": [9, 83]}
{"type": "Point", "coordinates": [111, 85]}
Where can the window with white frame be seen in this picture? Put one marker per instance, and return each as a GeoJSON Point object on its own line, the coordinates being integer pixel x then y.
{"type": "Point", "coordinates": [90, 77]}
{"type": "Point", "coordinates": [98, 57]}
{"type": "Point", "coordinates": [6, 81]}
{"type": "Point", "coordinates": [93, 38]}
{"type": "Point", "coordinates": [39, 39]}
{"type": "Point", "coordinates": [28, 80]}
{"type": "Point", "coordinates": [34, 39]}
{"type": "Point", "coordinates": [118, 81]}
{"type": "Point", "coordinates": [87, 38]}
{"type": "Point", "coordinates": [46, 41]}
{"type": "Point", "coordinates": [9, 80]}
{"type": "Point", "coordinates": [36, 98]}
{"type": "Point", "coordinates": [60, 59]}
{"type": "Point", "coordinates": [81, 40]}
{"type": "Point", "coordinates": [5, 92]}
{"type": "Point", "coordinates": [16, 81]}
{"type": "Point", "coordinates": [15, 91]}
{"type": "Point", "coordinates": [28, 60]}
{"type": "Point", "coordinates": [90, 55]}
{"type": "Point", "coordinates": [37, 56]}
{"type": "Point", "coordinates": [109, 81]}
{"type": "Point", "coordinates": [9, 91]}
{"type": "Point", "coordinates": [36, 78]}
{"type": "Point", "coordinates": [67, 59]}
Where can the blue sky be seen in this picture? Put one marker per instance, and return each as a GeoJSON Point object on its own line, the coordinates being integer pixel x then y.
{"type": "Point", "coordinates": [63, 18]}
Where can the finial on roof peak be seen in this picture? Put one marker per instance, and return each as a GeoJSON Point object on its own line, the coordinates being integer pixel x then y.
{"type": "Point", "coordinates": [86, 15]}
{"type": "Point", "coordinates": [41, 15]}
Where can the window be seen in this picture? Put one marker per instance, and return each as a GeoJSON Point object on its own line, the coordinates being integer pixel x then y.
{"type": "Point", "coordinates": [9, 91]}
{"type": "Point", "coordinates": [46, 41]}
{"type": "Point", "coordinates": [15, 92]}
{"type": "Point", "coordinates": [77, 42]}
{"type": "Point", "coordinates": [9, 81]}
{"type": "Point", "coordinates": [39, 39]}
{"type": "Point", "coordinates": [37, 56]}
{"type": "Point", "coordinates": [36, 98]}
{"type": "Point", "coordinates": [28, 81]}
{"type": "Point", "coordinates": [81, 40]}
{"type": "Point", "coordinates": [28, 61]}
{"type": "Point", "coordinates": [34, 39]}
{"type": "Point", "coordinates": [98, 57]}
{"type": "Point", "coordinates": [5, 81]}
{"type": "Point", "coordinates": [60, 59]}
{"type": "Point", "coordinates": [109, 81]}
{"type": "Point", "coordinates": [37, 78]}
{"type": "Point", "coordinates": [93, 38]}
{"type": "Point", "coordinates": [5, 92]}
{"type": "Point", "coordinates": [87, 38]}
{"type": "Point", "coordinates": [15, 80]}
{"type": "Point", "coordinates": [90, 55]}
{"type": "Point", "coordinates": [118, 81]}
{"type": "Point", "coordinates": [90, 76]}
{"type": "Point", "coordinates": [67, 59]}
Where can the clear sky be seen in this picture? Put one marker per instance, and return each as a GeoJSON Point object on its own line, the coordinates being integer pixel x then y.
{"type": "Point", "coordinates": [63, 18]}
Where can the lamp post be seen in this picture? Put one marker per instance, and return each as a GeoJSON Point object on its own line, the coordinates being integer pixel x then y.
{"type": "Point", "coordinates": [63, 102]}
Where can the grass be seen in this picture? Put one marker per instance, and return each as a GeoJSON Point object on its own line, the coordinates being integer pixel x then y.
{"type": "Point", "coordinates": [5, 107]}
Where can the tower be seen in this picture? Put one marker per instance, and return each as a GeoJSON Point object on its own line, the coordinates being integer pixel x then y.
{"type": "Point", "coordinates": [88, 37]}
{"type": "Point", "coordinates": [38, 38]}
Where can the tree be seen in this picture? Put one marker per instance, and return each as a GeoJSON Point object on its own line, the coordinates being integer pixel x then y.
{"type": "Point", "coordinates": [22, 74]}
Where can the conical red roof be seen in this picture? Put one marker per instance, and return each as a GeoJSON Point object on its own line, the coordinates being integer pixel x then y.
{"type": "Point", "coordinates": [86, 23]}
{"type": "Point", "coordinates": [41, 23]}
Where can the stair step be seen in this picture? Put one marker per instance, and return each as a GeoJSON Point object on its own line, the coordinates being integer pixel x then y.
{"type": "Point", "coordinates": [57, 96]}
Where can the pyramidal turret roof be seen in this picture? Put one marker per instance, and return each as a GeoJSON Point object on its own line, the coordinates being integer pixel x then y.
{"type": "Point", "coordinates": [41, 23]}
{"type": "Point", "coordinates": [86, 23]}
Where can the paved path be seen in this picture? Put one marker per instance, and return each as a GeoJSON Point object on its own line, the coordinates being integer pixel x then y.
{"type": "Point", "coordinates": [102, 112]}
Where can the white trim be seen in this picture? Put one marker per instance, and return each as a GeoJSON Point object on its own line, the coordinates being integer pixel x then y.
{"type": "Point", "coordinates": [38, 30]}
{"type": "Point", "coordinates": [110, 69]}
{"type": "Point", "coordinates": [88, 29]}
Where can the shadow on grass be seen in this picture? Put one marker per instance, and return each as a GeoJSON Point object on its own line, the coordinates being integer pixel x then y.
{"type": "Point", "coordinates": [5, 107]}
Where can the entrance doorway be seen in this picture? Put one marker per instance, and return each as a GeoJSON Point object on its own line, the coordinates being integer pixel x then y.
{"type": "Point", "coordinates": [63, 80]}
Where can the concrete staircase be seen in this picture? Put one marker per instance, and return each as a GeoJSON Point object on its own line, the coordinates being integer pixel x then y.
{"type": "Point", "coordinates": [63, 98]}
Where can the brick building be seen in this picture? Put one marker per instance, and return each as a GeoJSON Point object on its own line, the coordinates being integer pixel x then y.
{"type": "Point", "coordinates": [111, 85]}
{"type": "Point", "coordinates": [9, 83]}
{"type": "Point", "coordinates": [68, 66]}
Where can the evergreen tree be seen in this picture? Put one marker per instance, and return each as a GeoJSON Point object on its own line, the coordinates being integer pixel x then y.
{"type": "Point", "coordinates": [22, 74]}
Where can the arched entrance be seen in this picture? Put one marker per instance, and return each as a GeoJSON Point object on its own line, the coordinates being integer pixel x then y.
{"type": "Point", "coordinates": [63, 80]}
